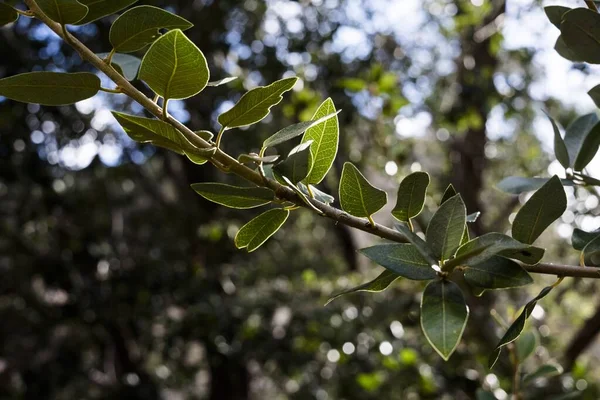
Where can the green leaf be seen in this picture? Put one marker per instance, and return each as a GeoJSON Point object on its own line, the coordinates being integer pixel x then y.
{"type": "Point", "coordinates": [594, 93]}
{"type": "Point", "coordinates": [256, 104]}
{"type": "Point", "coordinates": [555, 14]}
{"type": "Point", "coordinates": [530, 256]}
{"type": "Point", "coordinates": [318, 194]}
{"type": "Point", "coordinates": [200, 156]}
{"type": "Point", "coordinates": [589, 148]}
{"type": "Point", "coordinates": [379, 284]}
{"type": "Point", "coordinates": [174, 67]}
{"type": "Point", "coordinates": [518, 185]}
{"type": "Point", "coordinates": [357, 196]}
{"type": "Point", "coordinates": [411, 196]}
{"type": "Point", "coordinates": [560, 149]}
{"type": "Point", "coordinates": [50, 88]}
{"type": "Point", "coordinates": [545, 371]}
{"type": "Point", "coordinates": [444, 315]}
{"type": "Point", "coordinates": [581, 238]}
{"type": "Point", "coordinates": [297, 164]}
{"type": "Point", "coordinates": [591, 252]}
{"type": "Point", "coordinates": [582, 139]}
{"type": "Point", "coordinates": [138, 27]}
{"type": "Point", "coordinates": [223, 81]}
{"type": "Point", "coordinates": [419, 244]}
{"type": "Point", "coordinates": [402, 259]}
{"type": "Point", "coordinates": [205, 135]}
{"type": "Point", "coordinates": [445, 230]}
{"type": "Point", "coordinates": [580, 30]}
{"type": "Point", "coordinates": [326, 137]}
{"type": "Point", "coordinates": [497, 273]}
{"type": "Point", "coordinates": [252, 235]}
{"type": "Point", "coordinates": [8, 14]}
{"type": "Point", "coordinates": [284, 180]}
{"type": "Point", "coordinates": [256, 159]}
{"type": "Point", "coordinates": [565, 51]}
{"type": "Point", "coordinates": [103, 8]}
{"type": "Point", "coordinates": [63, 11]}
{"type": "Point", "coordinates": [234, 196]}
{"type": "Point", "coordinates": [526, 345]}
{"type": "Point", "coordinates": [485, 247]}
{"type": "Point", "coordinates": [542, 209]}
{"type": "Point", "coordinates": [125, 64]}
{"type": "Point", "coordinates": [295, 130]}
{"type": "Point", "coordinates": [514, 331]}
{"type": "Point", "coordinates": [448, 194]}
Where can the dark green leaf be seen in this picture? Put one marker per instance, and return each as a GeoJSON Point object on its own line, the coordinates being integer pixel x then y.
{"type": "Point", "coordinates": [379, 284]}
{"type": "Point", "coordinates": [581, 238]}
{"type": "Point", "coordinates": [589, 148]}
{"type": "Point", "coordinates": [103, 8]}
{"type": "Point", "coordinates": [174, 67]}
{"type": "Point", "coordinates": [560, 149]}
{"type": "Point", "coordinates": [63, 11]}
{"type": "Point", "coordinates": [357, 196]}
{"type": "Point", "coordinates": [50, 88]}
{"type": "Point", "coordinates": [252, 235]}
{"type": "Point", "coordinates": [402, 259]}
{"type": "Point", "coordinates": [445, 230]}
{"type": "Point", "coordinates": [530, 256]}
{"type": "Point", "coordinates": [565, 51]}
{"type": "Point", "coordinates": [419, 244]}
{"type": "Point", "coordinates": [223, 81]}
{"type": "Point", "coordinates": [516, 328]}
{"type": "Point", "coordinates": [526, 345]}
{"type": "Point", "coordinates": [555, 14]}
{"type": "Point", "coordinates": [448, 194]}
{"type": "Point", "coordinates": [205, 135]}
{"type": "Point", "coordinates": [411, 196]}
{"type": "Point", "coordinates": [594, 93]}
{"type": "Point", "coordinates": [297, 164]}
{"type": "Point", "coordinates": [518, 185]}
{"type": "Point", "coordinates": [485, 247]}
{"type": "Point", "coordinates": [444, 315]}
{"type": "Point", "coordinates": [497, 273]}
{"type": "Point", "coordinates": [284, 180]}
{"type": "Point", "coordinates": [8, 14]}
{"type": "Point", "coordinates": [255, 105]}
{"type": "Point", "coordinates": [577, 132]}
{"type": "Point", "coordinates": [125, 64]}
{"type": "Point", "coordinates": [292, 131]}
{"type": "Point", "coordinates": [545, 371]}
{"type": "Point", "coordinates": [542, 209]}
{"type": "Point", "coordinates": [325, 135]}
{"type": "Point", "coordinates": [138, 27]}
{"type": "Point", "coordinates": [234, 196]}
{"type": "Point", "coordinates": [591, 252]}
{"type": "Point", "coordinates": [580, 30]}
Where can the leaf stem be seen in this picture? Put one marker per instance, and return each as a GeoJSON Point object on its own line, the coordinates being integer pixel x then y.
{"type": "Point", "coordinates": [109, 57]}
{"type": "Point", "coordinates": [220, 136]}
{"type": "Point", "coordinates": [27, 13]}
{"type": "Point", "coordinates": [165, 111]}
{"type": "Point", "coordinates": [410, 225]}
{"type": "Point", "coordinates": [371, 221]}
{"type": "Point", "coordinates": [116, 91]}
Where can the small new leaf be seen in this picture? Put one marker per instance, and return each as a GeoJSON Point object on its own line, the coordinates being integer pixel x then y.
{"type": "Point", "coordinates": [255, 105]}
{"type": "Point", "coordinates": [256, 159]}
{"type": "Point", "coordinates": [252, 235]}
{"type": "Point", "coordinates": [125, 64]}
{"type": "Point", "coordinates": [379, 284]}
{"type": "Point", "coordinates": [50, 88]}
{"type": "Point", "coordinates": [234, 196]}
{"type": "Point", "coordinates": [103, 8]}
{"type": "Point", "coordinates": [63, 11]}
{"type": "Point", "coordinates": [357, 196]}
{"type": "Point", "coordinates": [444, 315]}
{"type": "Point", "coordinates": [411, 196]}
{"type": "Point", "coordinates": [174, 67]}
{"type": "Point", "coordinates": [446, 228]}
{"type": "Point", "coordinates": [138, 27]}
{"type": "Point", "coordinates": [544, 207]}
{"type": "Point", "coordinates": [497, 273]}
{"type": "Point", "coordinates": [402, 259]}
{"type": "Point", "coordinates": [318, 194]}
{"type": "Point", "coordinates": [325, 136]}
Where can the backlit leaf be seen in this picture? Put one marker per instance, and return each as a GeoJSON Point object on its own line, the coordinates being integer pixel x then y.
{"type": "Point", "coordinates": [357, 196]}
{"type": "Point", "coordinates": [63, 11]}
{"type": "Point", "coordinates": [252, 235]}
{"type": "Point", "coordinates": [448, 194]}
{"type": "Point", "coordinates": [292, 131]}
{"type": "Point", "coordinates": [497, 273]}
{"type": "Point", "coordinates": [411, 196]}
{"type": "Point", "coordinates": [50, 88]}
{"type": "Point", "coordinates": [565, 51]}
{"type": "Point", "coordinates": [138, 27]}
{"type": "Point", "coordinates": [325, 137]}
{"type": "Point", "coordinates": [444, 315]}
{"type": "Point", "coordinates": [379, 284]}
{"type": "Point", "coordinates": [174, 67]}
{"type": "Point", "coordinates": [234, 196]}
{"type": "Point", "coordinates": [125, 64]}
{"type": "Point", "coordinates": [445, 230]}
{"type": "Point", "coordinates": [402, 259]}
{"type": "Point", "coordinates": [102, 8]}
{"type": "Point", "coordinates": [223, 81]}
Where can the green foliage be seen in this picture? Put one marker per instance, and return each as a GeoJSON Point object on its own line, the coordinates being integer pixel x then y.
{"type": "Point", "coordinates": [325, 137]}
{"type": "Point", "coordinates": [293, 131]}
{"type": "Point", "coordinates": [444, 315]}
{"type": "Point", "coordinates": [252, 235]}
{"type": "Point", "coordinates": [63, 11]}
{"type": "Point", "coordinates": [256, 159]}
{"type": "Point", "coordinates": [125, 64]}
{"type": "Point", "coordinates": [445, 230]}
{"type": "Point", "coordinates": [50, 88]}
{"type": "Point", "coordinates": [555, 14]}
{"type": "Point", "coordinates": [594, 93]}
{"type": "Point", "coordinates": [357, 196]}
{"type": "Point", "coordinates": [518, 185]}
{"type": "Point", "coordinates": [234, 196]}
{"type": "Point", "coordinates": [138, 27]}
{"type": "Point", "coordinates": [7, 14]}
{"type": "Point", "coordinates": [591, 252]}
{"type": "Point", "coordinates": [297, 164]}
{"type": "Point", "coordinates": [580, 30]}
{"type": "Point", "coordinates": [581, 238]}
{"type": "Point", "coordinates": [560, 149]}
{"type": "Point", "coordinates": [379, 284]}
{"type": "Point", "coordinates": [403, 259]}
{"type": "Point", "coordinates": [530, 255]}
{"type": "Point", "coordinates": [221, 82]}
{"type": "Point", "coordinates": [484, 247]}
{"type": "Point", "coordinates": [255, 105]}
{"type": "Point", "coordinates": [497, 273]}
{"type": "Point", "coordinates": [526, 345]}
{"type": "Point", "coordinates": [448, 194]}
{"type": "Point", "coordinates": [582, 139]}
{"type": "Point", "coordinates": [543, 208]}
{"type": "Point", "coordinates": [316, 193]}
{"type": "Point", "coordinates": [174, 67]}
{"type": "Point", "coordinates": [411, 196]}
{"type": "Point", "coordinates": [103, 8]}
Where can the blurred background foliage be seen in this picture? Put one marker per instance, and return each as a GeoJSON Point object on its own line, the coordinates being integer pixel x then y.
{"type": "Point", "coordinates": [119, 282]}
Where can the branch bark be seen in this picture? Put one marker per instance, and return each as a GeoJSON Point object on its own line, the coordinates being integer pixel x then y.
{"type": "Point", "coordinates": [224, 161]}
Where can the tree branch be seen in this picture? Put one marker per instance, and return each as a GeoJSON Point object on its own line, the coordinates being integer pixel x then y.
{"type": "Point", "coordinates": [223, 159]}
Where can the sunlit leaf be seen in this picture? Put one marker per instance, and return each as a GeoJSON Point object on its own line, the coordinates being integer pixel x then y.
{"type": "Point", "coordinates": [379, 284]}
{"type": "Point", "coordinates": [50, 88]}
{"type": "Point", "coordinates": [252, 235]}
{"type": "Point", "coordinates": [542, 209]}
{"type": "Point", "coordinates": [174, 67]}
{"type": "Point", "coordinates": [102, 8]}
{"type": "Point", "coordinates": [234, 196]}
{"type": "Point", "coordinates": [444, 315]}
{"type": "Point", "coordinates": [138, 27]}
{"type": "Point", "coordinates": [255, 104]}
{"type": "Point", "coordinates": [125, 64]}
{"type": "Point", "coordinates": [497, 273]}
{"type": "Point", "coordinates": [63, 11]}
{"type": "Point", "coordinates": [223, 81]}
{"type": "Point", "coordinates": [580, 30]}
{"type": "Point", "coordinates": [293, 131]}
{"type": "Point", "coordinates": [325, 137]}
{"type": "Point", "coordinates": [357, 196]}
{"type": "Point", "coordinates": [402, 259]}
{"type": "Point", "coordinates": [411, 196]}
{"type": "Point", "coordinates": [446, 228]}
